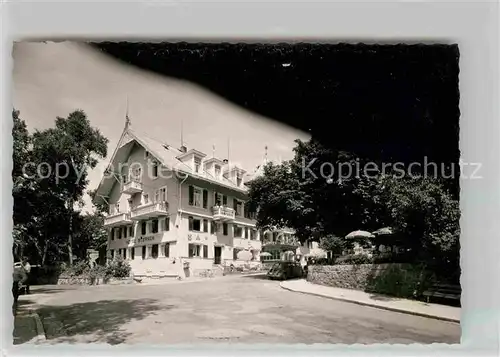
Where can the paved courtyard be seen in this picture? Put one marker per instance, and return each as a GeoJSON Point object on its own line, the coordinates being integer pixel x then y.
{"type": "Point", "coordinates": [230, 309]}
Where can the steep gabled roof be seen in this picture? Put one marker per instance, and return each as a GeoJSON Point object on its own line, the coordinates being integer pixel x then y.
{"type": "Point", "coordinates": [166, 155]}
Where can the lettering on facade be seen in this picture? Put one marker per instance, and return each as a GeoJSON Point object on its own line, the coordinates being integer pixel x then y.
{"type": "Point", "coordinates": [145, 239]}
{"type": "Point", "coordinates": [190, 237]}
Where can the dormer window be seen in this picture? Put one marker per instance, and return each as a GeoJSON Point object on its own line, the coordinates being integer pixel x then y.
{"type": "Point", "coordinates": [239, 180]}
{"type": "Point", "coordinates": [217, 171]}
{"type": "Point", "coordinates": [197, 164]}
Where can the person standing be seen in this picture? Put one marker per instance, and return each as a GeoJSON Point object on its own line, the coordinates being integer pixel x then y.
{"type": "Point", "coordinates": [19, 277]}
{"type": "Point", "coordinates": [27, 269]}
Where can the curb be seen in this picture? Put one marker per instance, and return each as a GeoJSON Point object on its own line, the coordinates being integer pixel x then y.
{"type": "Point", "coordinates": [421, 314]}
{"type": "Point", "coordinates": [39, 327]}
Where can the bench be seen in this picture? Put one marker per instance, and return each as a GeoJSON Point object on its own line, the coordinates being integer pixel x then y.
{"type": "Point", "coordinates": [443, 291]}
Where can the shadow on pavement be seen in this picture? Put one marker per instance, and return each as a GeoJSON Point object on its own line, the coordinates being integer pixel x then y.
{"type": "Point", "coordinates": [256, 276]}
{"type": "Point", "coordinates": [382, 297]}
{"type": "Point", "coordinates": [96, 322]}
{"type": "Point", "coordinates": [49, 290]}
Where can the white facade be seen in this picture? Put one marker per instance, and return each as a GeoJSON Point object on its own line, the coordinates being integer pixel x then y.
{"type": "Point", "coordinates": [171, 208]}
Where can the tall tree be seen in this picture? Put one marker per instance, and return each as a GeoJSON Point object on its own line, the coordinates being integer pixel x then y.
{"type": "Point", "coordinates": [317, 193]}
{"type": "Point", "coordinates": [69, 150]}
{"type": "Point", "coordinates": [57, 169]}
{"type": "Point", "coordinates": [324, 194]}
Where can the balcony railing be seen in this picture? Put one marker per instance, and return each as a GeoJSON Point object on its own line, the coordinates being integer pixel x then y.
{"type": "Point", "coordinates": [149, 210]}
{"type": "Point", "coordinates": [117, 219]}
{"type": "Point", "coordinates": [132, 187]}
{"type": "Point", "coordinates": [222, 213]}
{"type": "Point", "coordinates": [282, 241]}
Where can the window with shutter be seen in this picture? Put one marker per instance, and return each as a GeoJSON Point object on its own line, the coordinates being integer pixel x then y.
{"type": "Point", "coordinates": [197, 197]}
{"type": "Point", "coordinates": [194, 250]}
{"type": "Point", "coordinates": [197, 164]}
{"type": "Point", "coordinates": [218, 199]}
{"type": "Point", "coordinates": [224, 229]}
{"type": "Point", "coordinates": [143, 227]}
{"type": "Point", "coordinates": [191, 195]}
{"type": "Point", "coordinates": [166, 224]}
{"type": "Point", "coordinates": [205, 225]}
{"type": "Point", "coordinates": [154, 226]}
{"type": "Point", "coordinates": [205, 198]}
{"type": "Point", "coordinates": [131, 231]}
{"type": "Point", "coordinates": [213, 227]}
{"type": "Point", "coordinates": [167, 250]}
{"type": "Point", "coordinates": [132, 253]}
{"type": "Point", "coordinates": [190, 220]}
{"type": "Point", "coordinates": [224, 200]}
{"type": "Point", "coordinates": [154, 251]}
{"type": "Point", "coordinates": [190, 250]}
{"type": "Point", "coordinates": [205, 251]}
{"type": "Point", "coordinates": [125, 231]}
{"type": "Point", "coordinates": [238, 231]}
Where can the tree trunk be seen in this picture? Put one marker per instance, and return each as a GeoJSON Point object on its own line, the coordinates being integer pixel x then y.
{"type": "Point", "coordinates": [70, 232]}
{"type": "Point", "coordinates": [44, 255]}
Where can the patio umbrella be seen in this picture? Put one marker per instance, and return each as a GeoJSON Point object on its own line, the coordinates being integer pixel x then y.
{"type": "Point", "coordinates": [359, 234]}
{"type": "Point", "coordinates": [244, 255]}
{"type": "Point", "coordinates": [265, 254]}
{"type": "Point", "coordinates": [386, 231]}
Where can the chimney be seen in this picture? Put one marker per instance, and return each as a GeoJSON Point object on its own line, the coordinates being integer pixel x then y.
{"type": "Point", "coordinates": [183, 149]}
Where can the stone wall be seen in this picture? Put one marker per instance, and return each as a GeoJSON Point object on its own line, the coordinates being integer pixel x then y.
{"type": "Point", "coordinates": [402, 280]}
{"type": "Point", "coordinates": [89, 281]}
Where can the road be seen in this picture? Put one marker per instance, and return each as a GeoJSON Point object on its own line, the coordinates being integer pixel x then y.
{"type": "Point", "coordinates": [229, 309]}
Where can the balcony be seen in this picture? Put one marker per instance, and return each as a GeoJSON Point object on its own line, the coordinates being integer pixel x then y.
{"type": "Point", "coordinates": [117, 219]}
{"type": "Point", "coordinates": [222, 213]}
{"type": "Point", "coordinates": [149, 210]}
{"type": "Point", "coordinates": [132, 187]}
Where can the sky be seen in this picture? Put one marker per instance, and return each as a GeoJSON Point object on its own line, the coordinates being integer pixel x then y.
{"type": "Point", "coordinates": [53, 79]}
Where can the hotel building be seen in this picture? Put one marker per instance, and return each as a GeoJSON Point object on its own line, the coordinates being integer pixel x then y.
{"type": "Point", "coordinates": [177, 212]}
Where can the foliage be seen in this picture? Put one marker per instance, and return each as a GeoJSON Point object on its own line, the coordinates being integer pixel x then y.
{"type": "Point", "coordinates": [353, 259]}
{"type": "Point", "coordinates": [45, 223]}
{"type": "Point", "coordinates": [101, 206]}
{"type": "Point", "coordinates": [335, 244]}
{"type": "Point", "coordinates": [302, 194]}
{"type": "Point", "coordinates": [90, 232]}
{"type": "Point", "coordinates": [406, 281]}
{"type": "Point", "coordinates": [305, 195]}
{"type": "Point", "coordinates": [426, 215]}
{"type": "Point", "coordinates": [118, 268]}
{"type": "Point", "coordinates": [80, 268]}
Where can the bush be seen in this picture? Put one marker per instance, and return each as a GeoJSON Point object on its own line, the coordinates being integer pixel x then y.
{"type": "Point", "coordinates": [406, 281]}
{"type": "Point", "coordinates": [118, 268]}
{"type": "Point", "coordinates": [80, 268]}
{"type": "Point", "coordinates": [98, 271]}
{"type": "Point", "coordinates": [353, 259]}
